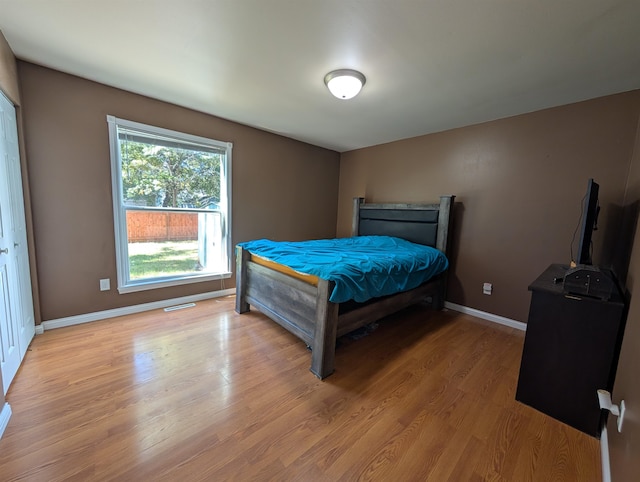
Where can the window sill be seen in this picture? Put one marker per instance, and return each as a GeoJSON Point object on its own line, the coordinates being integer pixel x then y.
{"type": "Point", "coordinates": [143, 285]}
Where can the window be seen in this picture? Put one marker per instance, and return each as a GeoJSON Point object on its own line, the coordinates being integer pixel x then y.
{"type": "Point", "coordinates": [171, 206]}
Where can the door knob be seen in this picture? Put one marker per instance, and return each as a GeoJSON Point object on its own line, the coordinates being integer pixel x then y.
{"type": "Point", "coordinates": [4, 251]}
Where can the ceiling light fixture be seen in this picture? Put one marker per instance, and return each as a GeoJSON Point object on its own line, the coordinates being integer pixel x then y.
{"type": "Point", "coordinates": [344, 83]}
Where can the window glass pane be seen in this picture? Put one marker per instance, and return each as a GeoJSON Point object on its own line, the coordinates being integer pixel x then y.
{"type": "Point", "coordinates": [168, 244]}
{"type": "Point", "coordinates": [172, 201]}
{"type": "Point", "coordinates": [169, 176]}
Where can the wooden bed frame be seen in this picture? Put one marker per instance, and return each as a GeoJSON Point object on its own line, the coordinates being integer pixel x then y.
{"type": "Point", "coordinates": [305, 310]}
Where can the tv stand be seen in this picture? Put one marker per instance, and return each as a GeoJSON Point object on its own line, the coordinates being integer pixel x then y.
{"type": "Point", "coordinates": [571, 350]}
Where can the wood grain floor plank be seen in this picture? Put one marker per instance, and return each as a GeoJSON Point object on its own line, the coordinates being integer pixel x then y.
{"type": "Point", "coordinates": [207, 394]}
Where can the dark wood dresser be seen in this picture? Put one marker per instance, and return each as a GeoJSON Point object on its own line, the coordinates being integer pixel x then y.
{"type": "Point", "coordinates": [570, 351]}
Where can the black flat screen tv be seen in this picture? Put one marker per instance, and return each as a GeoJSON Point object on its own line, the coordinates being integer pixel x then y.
{"type": "Point", "coordinates": [590, 211]}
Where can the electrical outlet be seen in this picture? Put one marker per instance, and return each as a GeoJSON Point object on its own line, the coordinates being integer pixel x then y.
{"type": "Point", "coordinates": [105, 284]}
{"type": "Point", "coordinates": [487, 288]}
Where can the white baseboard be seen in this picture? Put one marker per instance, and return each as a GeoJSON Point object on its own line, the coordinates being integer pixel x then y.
{"type": "Point", "coordinates": [5, 415]}
{"type": "Point", "coordinates": [486, 316]}
{"type": "Point", "coordinates": [604, 454]}
{"type": "Point", "coordinates": [128, 310]}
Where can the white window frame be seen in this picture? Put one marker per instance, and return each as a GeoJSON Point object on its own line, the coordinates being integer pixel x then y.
{"type": "Point", "coordinates": [125, 284]}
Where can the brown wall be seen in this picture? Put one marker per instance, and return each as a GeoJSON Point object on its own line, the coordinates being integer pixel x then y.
{"type": "Point", "coordinates": [8, 72]}
{"type": "Point", "coordinates": [625, 446]}
{"type": "Point", "coordinates": [281, 188]}
{"type": "Point", "coordinates": [519, 184]}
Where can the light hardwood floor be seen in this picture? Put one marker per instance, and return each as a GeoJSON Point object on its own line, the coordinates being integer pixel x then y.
{"type": "Point", "coordinates": [206, 394]}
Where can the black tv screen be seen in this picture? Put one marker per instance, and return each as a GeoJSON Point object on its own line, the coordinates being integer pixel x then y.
{"type": "Point", "coordinates": [590, 210]}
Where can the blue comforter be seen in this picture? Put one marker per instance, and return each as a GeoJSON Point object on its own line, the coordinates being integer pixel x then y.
{"type": "Point", "coordinates": [362, 267]}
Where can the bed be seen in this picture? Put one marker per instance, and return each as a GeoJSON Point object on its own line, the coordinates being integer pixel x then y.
{"type": "Point", "coordinates": [301, 302]}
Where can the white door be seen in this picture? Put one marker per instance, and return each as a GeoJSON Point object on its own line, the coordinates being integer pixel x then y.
{"type": "Point", "coordinates": [17, 325]}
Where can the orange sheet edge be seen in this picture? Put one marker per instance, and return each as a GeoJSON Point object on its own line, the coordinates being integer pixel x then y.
{"type": "Point", "coordinates": [306, 278]}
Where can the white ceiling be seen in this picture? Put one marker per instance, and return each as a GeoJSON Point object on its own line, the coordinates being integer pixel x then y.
{"type": "Point", "coordinates": [431, 65]}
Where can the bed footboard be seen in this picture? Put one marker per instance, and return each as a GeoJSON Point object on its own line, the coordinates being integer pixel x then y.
{"type": "Point", "coordinates": [301, 308]}
{"type": "Point", "coordinates": [323, 348]}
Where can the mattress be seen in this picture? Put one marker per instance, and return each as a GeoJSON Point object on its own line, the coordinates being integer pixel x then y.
{"type": "Point", "coordinates": [362, 267]}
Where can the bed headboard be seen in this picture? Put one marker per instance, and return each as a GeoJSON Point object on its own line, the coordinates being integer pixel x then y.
{"type": "Point", "coordinates": [427, 224]}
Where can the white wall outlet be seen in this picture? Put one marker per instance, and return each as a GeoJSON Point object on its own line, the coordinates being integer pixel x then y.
{"type": "Point", "coordinates": [487, 288]}
{"type": "Point", "coordinates": [105, 284]}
